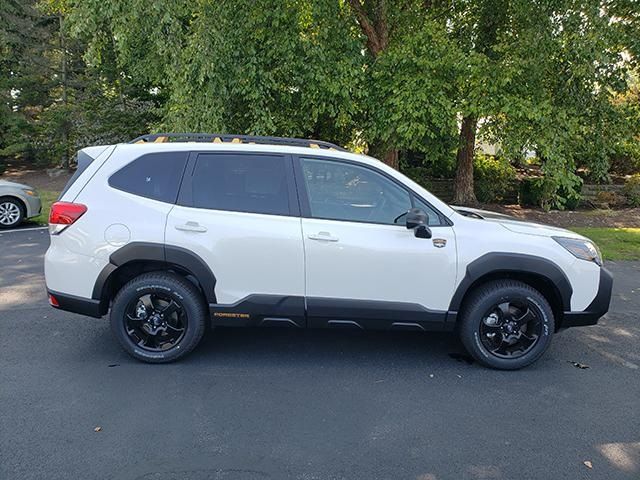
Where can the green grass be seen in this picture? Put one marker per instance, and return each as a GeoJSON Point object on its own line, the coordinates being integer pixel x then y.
{"type": "Point", "coordinates": [47, 197]}
{"type": "Point", "coordinates": [615, 243]}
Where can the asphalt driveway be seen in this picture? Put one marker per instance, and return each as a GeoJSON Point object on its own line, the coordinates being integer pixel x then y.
{"type": "Point", "coordinates": [256, 404]}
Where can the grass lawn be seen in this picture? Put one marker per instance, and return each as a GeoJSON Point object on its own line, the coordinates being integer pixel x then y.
{"type": "Point", "coordinates": [47, 197]}
{"type": "Point", "coordinates": [615, 243]}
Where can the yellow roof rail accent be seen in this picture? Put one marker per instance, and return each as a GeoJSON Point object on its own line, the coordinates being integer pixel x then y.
{"type": "Point", "coordinates": [217, 140]}
{"type": "Point", "coordinates": [161, 140]}
{"type": "Point", "coordinates": [314, 145]}
{"type": "Point", "coordinates": [236, 140]}
{"type": "Point", "coordinates": [141, 141]}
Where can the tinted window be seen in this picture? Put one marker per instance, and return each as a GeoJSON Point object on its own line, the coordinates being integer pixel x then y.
{"type": "Point", "coordinates": [340, 191]}
{"type": "Point", "coordinates": [156, 176]}
{"type": "Point", "coordinates": [241, 183]}
{"type": "Point", "coordinates": [434, 218]}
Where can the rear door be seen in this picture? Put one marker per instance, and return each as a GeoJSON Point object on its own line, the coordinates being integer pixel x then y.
{"type": "Point", "coordinates": [239, 212]}
{"type": "Point", "coordinates": [364, 268]}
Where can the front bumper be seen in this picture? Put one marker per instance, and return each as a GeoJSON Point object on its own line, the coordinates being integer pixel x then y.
{"type": "Point", "coordinates": [596, 309]}
{"type": "Point", "coordinates": [34, 206]}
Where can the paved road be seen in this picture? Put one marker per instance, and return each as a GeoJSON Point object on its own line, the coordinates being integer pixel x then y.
{"type": "Point", "coordinates": [258, 404]}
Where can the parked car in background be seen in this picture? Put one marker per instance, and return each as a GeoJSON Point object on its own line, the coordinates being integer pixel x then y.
{"type": "Point", "coordinates": [17, 203]}
{"type": "Point", "coordinates": [258, 231]}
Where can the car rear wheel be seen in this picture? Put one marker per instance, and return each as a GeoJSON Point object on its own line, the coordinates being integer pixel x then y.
{"type": "Point", "coordinates": [11, 212]}
{"type": "Point", "coordinates": [506, 324]}
{"type": "Point", "coordinates": [158, 317]}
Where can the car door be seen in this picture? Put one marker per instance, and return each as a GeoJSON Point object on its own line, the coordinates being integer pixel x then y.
{"type": "Point", "coordinates": [238, 212]}
{"type": "Point", "coordinates": [364, 268]}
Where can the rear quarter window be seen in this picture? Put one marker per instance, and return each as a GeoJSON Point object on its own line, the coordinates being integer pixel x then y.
{"type": "Point", "coordinates": [154, 175]}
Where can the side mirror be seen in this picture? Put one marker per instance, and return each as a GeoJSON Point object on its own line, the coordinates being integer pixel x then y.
{"type": "Point", "coordinates": [418, 221]}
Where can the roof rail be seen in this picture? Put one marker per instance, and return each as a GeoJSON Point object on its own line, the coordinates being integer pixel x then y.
{"type": "Point", "coordinates": [224, 138]}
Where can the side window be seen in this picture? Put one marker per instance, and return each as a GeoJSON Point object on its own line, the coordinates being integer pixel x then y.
{"type": "Point", "coordinates": [155, 175]}
{"type": "Point", "coordinates": [434, 218]}
{"type": "Point", "coordinates": [341, 191]}
{"type": "Point", "coordinates": [241, 183]}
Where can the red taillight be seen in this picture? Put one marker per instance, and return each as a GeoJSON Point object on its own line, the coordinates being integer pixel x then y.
{"type": "Point", "coordinates": [64, 214]}
{"type": "Point", "coordinates": [53, 301]}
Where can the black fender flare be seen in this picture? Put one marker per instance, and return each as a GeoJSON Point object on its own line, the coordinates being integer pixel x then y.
{"type": "Point", "coordinates": [493, 263]}
{"type": "Point", "coordinates": [168, 255]}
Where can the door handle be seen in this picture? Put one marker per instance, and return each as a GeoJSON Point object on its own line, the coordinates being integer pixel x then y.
{"type": "Point", "coordinates": [323, 236]}
{"type": "Point", "coordinates": [191, 227]}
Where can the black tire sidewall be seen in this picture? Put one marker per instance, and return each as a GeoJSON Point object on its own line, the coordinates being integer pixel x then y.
{"type": "Point", "coordinates": [483, 302]}
{"type": "Point", "coordinates": [167, 285]}
{"type": "Point", "coordinates": [20, 207]}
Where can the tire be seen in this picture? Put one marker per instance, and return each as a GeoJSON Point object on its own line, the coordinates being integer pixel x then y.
{"type": "Point", "coordinates": [12, 212]}
{"type": "Point", "coordinates": [184, 325]}
{"type": "Point", "coordinates": [485, 322]}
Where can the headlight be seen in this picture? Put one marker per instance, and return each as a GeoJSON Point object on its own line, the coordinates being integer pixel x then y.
{"type": "Point", "coordinates": [582, 249]}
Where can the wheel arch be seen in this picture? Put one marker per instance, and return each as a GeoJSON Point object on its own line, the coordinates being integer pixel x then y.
{"type": "Point", "coordinates": [537, 272]}
{"type": "Point", "coordinates": [141, 257]}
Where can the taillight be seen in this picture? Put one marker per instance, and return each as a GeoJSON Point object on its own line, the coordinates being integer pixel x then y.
{"type": "Point", "coordinates": [64, 214]}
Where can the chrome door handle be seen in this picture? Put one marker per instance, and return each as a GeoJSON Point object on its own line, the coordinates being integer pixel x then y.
{"type": "Point", "coordinates": [191, 227]}
{"type": "Point", "coordinates": [323, 236]}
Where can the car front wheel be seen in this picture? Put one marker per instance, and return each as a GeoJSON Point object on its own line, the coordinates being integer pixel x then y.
{"type": "Point", "coordinates": [506, 324]}
{"type": "Point", "coordinates": [11, 212]}
{"type": "Point", "coordinates": [158, 317]}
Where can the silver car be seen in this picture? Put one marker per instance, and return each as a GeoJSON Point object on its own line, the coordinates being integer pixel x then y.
{"type": "Point", "coordinates": [17, 202]}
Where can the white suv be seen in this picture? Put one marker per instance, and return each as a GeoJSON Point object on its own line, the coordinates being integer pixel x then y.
{"type": "Point", "coordinates": [173, 232]}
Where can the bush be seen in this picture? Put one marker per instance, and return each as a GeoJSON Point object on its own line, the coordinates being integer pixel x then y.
{"type": "Point", "coordinates": [631, 190]}
{"type": "Point", "coordinates": [544, 192]}
{"type": "Point", "coordinates": [3, 166]}
{"type": "Point", "coordinates": [419, 175]}
{"type": "Point", "coordinates": [494, 178]}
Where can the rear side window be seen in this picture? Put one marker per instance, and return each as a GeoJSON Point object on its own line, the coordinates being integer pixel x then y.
{"type": "Point", "coordinates": [155, 175]}
{"type": "Point", "coordinates": [241, 183]}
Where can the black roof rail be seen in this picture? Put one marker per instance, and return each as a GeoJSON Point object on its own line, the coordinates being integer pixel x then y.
{"type": "Point", "coordinates": [229, 138]}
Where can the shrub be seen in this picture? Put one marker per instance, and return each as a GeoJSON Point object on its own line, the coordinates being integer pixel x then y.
{"type": "Point", "coordinates": [419, 175]}
{"type": "Point", "coordinates": [544, 192]}
{"type": "Point", "coordinates": [494, 178]}
{"type": "Point", "coordinates": [3, 166]}
{"type": "Point", "coordinates": [631, 190]}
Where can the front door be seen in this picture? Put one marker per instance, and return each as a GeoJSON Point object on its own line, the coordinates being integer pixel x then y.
{"type": "Point", "coordinates": [364, 268]}
{"type": "Point", "coordinates": [239, 213]}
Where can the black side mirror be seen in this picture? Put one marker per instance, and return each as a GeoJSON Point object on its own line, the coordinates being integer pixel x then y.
{"type": "Point", "coordinates": [418, 221]}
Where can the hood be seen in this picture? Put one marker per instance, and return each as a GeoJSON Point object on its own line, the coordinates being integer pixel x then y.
{"type": "Point", "coordinates": [7, 183]}
{"type": "Point", "coordinates": [515, 224]}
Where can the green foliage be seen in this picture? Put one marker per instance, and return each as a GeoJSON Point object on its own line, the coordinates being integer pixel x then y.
{"type": "Point", "coordinates": [494, 177]}
{"type": "Point", "coordinates": [631, 190]}
{"type": "Point", "coordinates": [550, 77]}
{"type": "Point", "coordinates": [550, 192]}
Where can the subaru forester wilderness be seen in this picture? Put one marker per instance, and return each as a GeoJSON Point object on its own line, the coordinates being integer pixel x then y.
{"type": "Point", "coordinates": [173, 232]}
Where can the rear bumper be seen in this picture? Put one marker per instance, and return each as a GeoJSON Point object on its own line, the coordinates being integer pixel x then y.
{"type": "Point", "coordinates": [596, 309]}
{"type": "Point", "coordinates": [71, 303]}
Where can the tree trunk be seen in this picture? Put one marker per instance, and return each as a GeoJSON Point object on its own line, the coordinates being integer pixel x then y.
{"type": "Point", "coordinates": [375, 27]}
{"type": "Point", "coordinates": [391, 159]}
{"type": "Point", "coordinates": [463, 193]}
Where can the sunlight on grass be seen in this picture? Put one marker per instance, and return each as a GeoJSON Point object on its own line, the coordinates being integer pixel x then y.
{"type": "Point", "coordinates": [615, 243]}
{"type": "Point", "coordinates": [47, 197]}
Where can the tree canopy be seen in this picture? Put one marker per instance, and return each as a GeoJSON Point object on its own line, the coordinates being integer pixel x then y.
{"type": "Point", "coordinates": [554, 77]}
